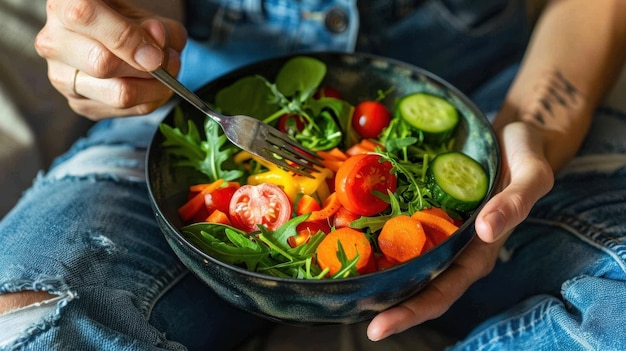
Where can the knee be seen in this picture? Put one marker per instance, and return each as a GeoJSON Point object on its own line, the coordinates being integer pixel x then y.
{"type": "Point", "coordinates": [14, 300]}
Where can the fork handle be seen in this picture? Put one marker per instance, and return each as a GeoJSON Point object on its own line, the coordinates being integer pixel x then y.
{"type": "Point", "coordinates": [171, 82]}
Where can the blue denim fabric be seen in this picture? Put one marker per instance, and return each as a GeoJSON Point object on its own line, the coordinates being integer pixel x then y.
{"type": "Point", "coordinates": [578, 232]}
{"type": "Point", "coordinates": [244, 32]}
{"type": "Point", "coordinates": [86, 233]}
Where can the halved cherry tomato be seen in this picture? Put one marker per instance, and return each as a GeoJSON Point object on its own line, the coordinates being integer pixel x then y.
{"type": "Point", "coordinates": [356, 180]}
{"type": "Point", "coordinates": [370, 118]}
{"type": "Point", "coordinates": [265, 204]}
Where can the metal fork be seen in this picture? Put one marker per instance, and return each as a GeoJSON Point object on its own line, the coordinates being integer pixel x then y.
{"type": "Point", "coordinates": [251, 134]}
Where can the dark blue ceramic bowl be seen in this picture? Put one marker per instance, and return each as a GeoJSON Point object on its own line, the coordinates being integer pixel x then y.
{"type": "Point", "coordinates": [302, 302]}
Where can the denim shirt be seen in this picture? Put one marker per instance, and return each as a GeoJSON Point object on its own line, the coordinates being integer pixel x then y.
{"type": "Point", "coordinates": [455, 39]}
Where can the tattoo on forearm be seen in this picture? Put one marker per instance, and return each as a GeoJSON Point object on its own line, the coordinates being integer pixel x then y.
{"type": "Point", "coordinates": [554, 101]}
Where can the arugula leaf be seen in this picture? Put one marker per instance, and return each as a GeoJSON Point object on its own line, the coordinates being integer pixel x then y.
{"type": "Point", "coordinates": [324, 134]}
{"type": "Point", "coordinates": [209, 156]}
{"type": "Point", "coordinates": [341, 111]}
{"type": "Point", "coordinates": [218, 150]}
{"type": "Point", "coordinates": [226, 244]}
{"type": "Point", "coordinates": [376, 223]}
{"type": "Point", "coordinates": [348, 267]}
{"type": "Point", "coordinates": [267, 251]}
{"type": "Point", "coordinates": [185, 145]}
{"type": "Point", "coordinates": [280, 236]}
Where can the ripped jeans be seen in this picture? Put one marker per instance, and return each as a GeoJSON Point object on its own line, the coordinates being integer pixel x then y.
{"type": "Point", "coordinates": [86, 233]}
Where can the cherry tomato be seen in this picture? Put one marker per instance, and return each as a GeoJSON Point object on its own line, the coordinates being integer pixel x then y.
{"type": "Point", "coordinates": [327, 92]}
{"type": "Point", "coordinates": [291, 123]}
{"type": "Point", "coordinates": [356, 180]}
{"type": "Point", "coordinates": [370, 118]}
{"type": "Point", "coordinates": [219, 199]}
{"type": "Point", "coordinates": [265, 204]}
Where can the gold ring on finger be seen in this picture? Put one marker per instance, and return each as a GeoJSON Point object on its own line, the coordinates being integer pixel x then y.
{"type": "Point", "coordinates": [74, 84]}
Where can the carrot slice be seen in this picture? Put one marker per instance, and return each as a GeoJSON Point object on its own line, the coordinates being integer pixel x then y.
{"type": "Point", "coordinates": [436, 237]}
{"type": "Point", "coordinates": [402, 238]}
{"type": "Point", "coordinates": [352, 241]}
{"type": "Point", "coordinates": [219, 217]}
{"type": "Point", "coordinates": [370, 144]}
{"type": "Point", "coordinates": [333, 154]}
{"type": "Point", "coordinates": [363, 147]}
{"type": "Point", "coordinates": [194, 204]}
{"type": "Point", "coordinates": [332, 165]}
{"type": "Point", "coordinates": [331, 206]}
{"type": "Point", "coordinates": [332, 159]}
{"type": "Point", "coordinates": [432, 222]}
{"type": "Point", "coordinates": [196, 188]}
{"type": "Point", "coordinates": [439, 213]}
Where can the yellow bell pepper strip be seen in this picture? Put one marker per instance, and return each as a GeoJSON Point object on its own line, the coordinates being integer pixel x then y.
{"type": "Point", "coordinates": [292, 184]}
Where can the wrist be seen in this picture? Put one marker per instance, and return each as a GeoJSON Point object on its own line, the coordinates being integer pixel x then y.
{"type": "Point", "coordinates": [552, 106]}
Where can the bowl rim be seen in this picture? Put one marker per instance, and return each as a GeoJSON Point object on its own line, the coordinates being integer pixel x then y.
{"type": "Point", "coordinates": [339, 55]}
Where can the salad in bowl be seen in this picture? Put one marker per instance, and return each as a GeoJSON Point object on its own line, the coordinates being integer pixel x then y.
{"type": "Point", "coordinates": [407, 161]}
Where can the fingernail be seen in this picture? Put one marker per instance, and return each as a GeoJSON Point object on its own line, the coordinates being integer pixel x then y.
{"type": "Point", "coordinates": [376, 334]}
{"type": "Point", "coordinates": [149, 56]}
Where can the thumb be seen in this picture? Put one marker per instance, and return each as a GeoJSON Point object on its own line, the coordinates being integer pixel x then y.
{"type": "Point", "coordinates": [526, 177]}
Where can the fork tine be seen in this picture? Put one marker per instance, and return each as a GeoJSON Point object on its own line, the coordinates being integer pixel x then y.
{"type": "Point", "coordinates": [291, 157]}
{"type": "Point", "coordinates": [282, 141]}
{"type": "Point", "coordinates": [270, 155]}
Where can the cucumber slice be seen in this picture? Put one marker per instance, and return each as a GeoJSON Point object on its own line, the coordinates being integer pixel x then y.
{"type": "Point", "coordinates": [457, 181]}
{"type": "Point", "coordinates": [432, 115]}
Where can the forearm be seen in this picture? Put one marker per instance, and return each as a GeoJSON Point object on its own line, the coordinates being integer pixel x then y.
{"type": "Point", "coordinates": [575, 53]}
